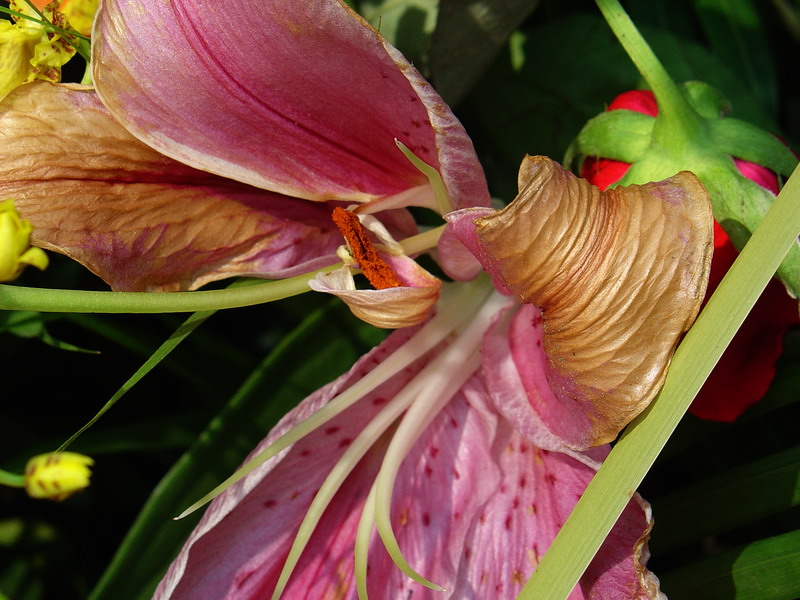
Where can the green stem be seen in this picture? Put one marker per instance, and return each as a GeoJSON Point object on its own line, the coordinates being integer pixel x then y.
{"type": "Point", "coordinates": [80, 301]}
{"type": "Point", "coordinates": [678, 121]}
{"type": "Point", "coordinates": [611, 489]}
{"type": "Point", "coordinates": [11, 479]}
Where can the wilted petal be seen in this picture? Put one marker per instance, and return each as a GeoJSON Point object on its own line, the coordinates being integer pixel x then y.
{"type": "Point", "coordinates": [618, 277]}
{"type": "Point", "coordinates": [389, 308]}
{"type": "Point", "coordinates": [136, 218]}
{"type": "Point", "coordinates": [301, 98]}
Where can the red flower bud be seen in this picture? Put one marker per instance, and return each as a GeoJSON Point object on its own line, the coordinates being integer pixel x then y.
{"type": "Point", "coordinates": [746, 369]}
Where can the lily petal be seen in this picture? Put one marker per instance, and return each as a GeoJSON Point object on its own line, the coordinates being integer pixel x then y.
{"type": "Point", "coordinates": [238, 548]}
{"type": "Point", "coordinates": [537, 491]}
{"type": "Point", "coordinates": [389, 308]}
{"type": "Point", "coordinates": [136, 218]}
{"type": "Point", "coordinates": [618, 277]}
{"type": "Point", "coordinates": [307, 103]}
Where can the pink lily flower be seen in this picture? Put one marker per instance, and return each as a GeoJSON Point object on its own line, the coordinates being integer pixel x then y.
{"type": "Point", "coordinates": [443, 464]}
{"type": "Point", "coordinates": [210, 150]}
{"type": "Point", "coordinates": [446, 460]}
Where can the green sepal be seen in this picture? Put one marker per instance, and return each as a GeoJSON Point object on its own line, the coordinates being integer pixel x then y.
{"type": "Point", "coordinates": [618, 134]}
{"type": "Point", "coordinates": [748, 142]}
{"type": "Point", "coordinates": [707, 100]}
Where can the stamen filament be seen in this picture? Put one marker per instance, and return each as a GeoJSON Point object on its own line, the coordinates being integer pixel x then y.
{"type": "Point", "coordinates": [13, 297]}
{"type": "Point", "coordinates": [363, 536]}
{"type": "Point", "coordinates": [458, 303]}
{"type": "Point", "coordinates": [344, 466]}
{"type": "Point", "coordinates": [443, 377]}
{"type": "Point", "coordinates": [443, 201]}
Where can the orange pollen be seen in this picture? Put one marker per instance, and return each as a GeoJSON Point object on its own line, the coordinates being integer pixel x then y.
{"type": "Point", "coordinates": [375, 269]}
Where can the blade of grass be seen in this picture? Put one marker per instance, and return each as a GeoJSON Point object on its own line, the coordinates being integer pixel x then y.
{"type": "Point", "coordinates": [617, 480]}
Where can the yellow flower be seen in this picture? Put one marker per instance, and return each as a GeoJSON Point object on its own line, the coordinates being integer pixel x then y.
{"type": "Point", "coordinates": [57, 475]}
{"type": "Point", "coordinates": [28, 52]}
{"type": "Point", "coordinates": [15, 249]}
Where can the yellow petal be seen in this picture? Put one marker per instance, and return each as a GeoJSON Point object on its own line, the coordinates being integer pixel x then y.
{"type": "Point", "coordinates": [619, 276]}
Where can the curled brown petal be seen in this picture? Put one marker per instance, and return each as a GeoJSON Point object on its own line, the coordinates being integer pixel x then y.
{"type": "Point", "coordinates": [619, 277]}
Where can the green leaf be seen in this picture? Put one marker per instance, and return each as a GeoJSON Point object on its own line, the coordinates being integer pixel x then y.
{"type": "Point", "coordinates": [768, 569]}
{"type": "Point", "coordinates": [469, 35]}
{"type": "Point", "coordinates": [407, 24]}
{"type": "Point", "coordinates": [734, 31]}
{"type": "Point", "coordinates": [761, 488]}
{"type": "Point", "coordinates": [29, 324]}
{"type": "Point", "coordinates": [284, 377]}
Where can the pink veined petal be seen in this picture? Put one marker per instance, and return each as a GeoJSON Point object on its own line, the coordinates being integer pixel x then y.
{"type": "Point", "coordinates": [137, 219]}
{"type": "Point", "coordinates": [238, 548]}
{"type": "Point", "coordinates": [445, 480]}
{"type": "Point", "coordinates": [460, 248]}
{"type": "Point", "coordinates": [537, 491]}
{"type": "Point", "coordinates": [301, 98]}
{"type": "Point", "coordinates": [516, 370]}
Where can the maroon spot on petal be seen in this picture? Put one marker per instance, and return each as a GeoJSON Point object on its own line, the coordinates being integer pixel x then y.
{"type": "Point", "coordinates": [331, 430]}
{"type": "Point", "coordinates": [533, 507]}
{"type": "Point", "coordinates": [523, 448]}
{"type": "Point", "coordinates": [550, 477]}
{"type": "Point", "coordinates": [482, 519]}
{"type": "Point", "coordinates": [498, 588]}
{"type": "Point", "coordinates": [503, 489]}
{"type": "Point", "coordinates": [538, 343]}
{"type": "Point", "coordinates": [456, 516]}
{"type": "Point", "coordinates": [434, 451]}
{"type": "Point", "coordinates": [344, 442]}
{"type": "Point", "coordinates": [523, 481]}
{"type": "Point", "coordinates": [515, 502]}
{"type": "Point", "coordinates": [305, 452]}
{"type": "Point", "coordinates": [456, 474]}
{"type": "Point", "coordinates": [426, 519]}
{"type": "Point", "coordinates": [507, 523]}
{"type": "Point", "coordinates": [428, 470]}
{"type": "Point", "coordinates": [379, 401]}
{"type": "Point", "coordinates": [294, 495]}
{"type": "Point", "coordinates": [467, 552]}
{"type": "Point", "coordinates": [453, 423]}
{"type": "Point", "coordinates": [268, 503]}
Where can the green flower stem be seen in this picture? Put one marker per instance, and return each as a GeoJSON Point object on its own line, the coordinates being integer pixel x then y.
{"type": "Point", "coordinates": [11, 479]}
{"type": "Point", "coordinates": [80, 301]}
{"type": "Point", "coordinates": [633, 455]}
{"type": "Point", "coordinates": [678, 124]}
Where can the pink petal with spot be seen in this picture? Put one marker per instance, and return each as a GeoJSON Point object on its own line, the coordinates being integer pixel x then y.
{"type": "Point", "coordinates": [536, 493]}
{"type": "Point", "coordinates": [137, 219]}
{"type": "Point", "coordinates": [239, 547]}
{"type": "Point", "coordinates": [301, 98]}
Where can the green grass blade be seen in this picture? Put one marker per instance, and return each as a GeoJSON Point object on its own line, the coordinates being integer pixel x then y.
{"type": "Point", "coordinates": [189, 325]}
{"type": "Point", "coordinates": [767, 569]}
{"type": "Point", "coordinates": [612, 487]}
{"type": "Point", "coordinates": [286, 375]}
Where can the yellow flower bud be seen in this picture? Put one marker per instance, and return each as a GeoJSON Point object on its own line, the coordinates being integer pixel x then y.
{"type": "Point", "coordinates": [15, 244]}
{"type": "Point", "coordinates": [57, 475]}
